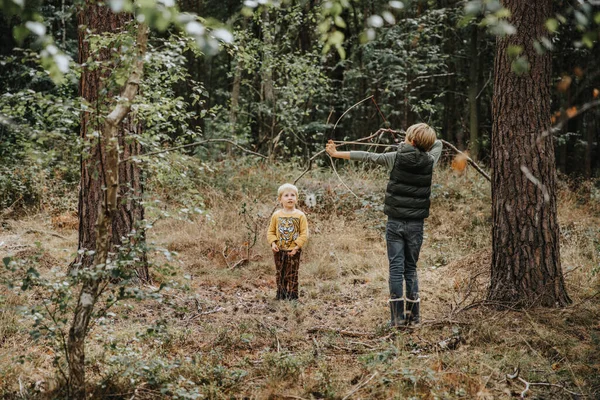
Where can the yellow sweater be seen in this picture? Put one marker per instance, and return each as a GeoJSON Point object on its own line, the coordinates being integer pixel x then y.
{"type": "Point", "coordinates": [288, 230]}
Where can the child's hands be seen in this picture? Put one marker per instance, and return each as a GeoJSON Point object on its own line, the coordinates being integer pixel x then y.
{"type": "Point", "coordinates": [294, 251]}
{"type": "Point", "coordinates": [330, 148]}
{"type": "Point", "coordinates": [274, 247]}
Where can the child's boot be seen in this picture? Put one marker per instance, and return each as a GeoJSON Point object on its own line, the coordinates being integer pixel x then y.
{"type": "Point", "coordinates": [413, 315]}
{"type": "Point", "coordinates": [397, 319]}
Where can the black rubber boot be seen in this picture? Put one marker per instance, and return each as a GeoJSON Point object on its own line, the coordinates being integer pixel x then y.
{"type": "Point", "coordinates": [397, 319]}
{"type": "Point", "coordinates": [413, 315]}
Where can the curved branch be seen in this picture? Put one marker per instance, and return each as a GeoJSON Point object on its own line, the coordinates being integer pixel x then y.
{"type": "Point", "coordinates": [351, 107]}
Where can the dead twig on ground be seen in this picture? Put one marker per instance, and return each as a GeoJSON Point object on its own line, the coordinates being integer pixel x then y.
{"type": "Point", "coordinates": [195, 316]}
{"type": "Point", "coordinates": [45, 233]}
{"type": "Point", "coordinates": [225, 256]}
{"type": "Point", "coordinates": [342, 332]}
{"type": "Point", "coordinates": [515, 375]}
{"type": "Point", "coordinates": [271, 330]}
{"type": "Point", "coordinates": [359, 386]}
{"type": "Point", "coordinates": [239, 263]}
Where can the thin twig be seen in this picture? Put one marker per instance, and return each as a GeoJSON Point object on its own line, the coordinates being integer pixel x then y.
{"type": "Point", "coordinates": [515, 375]}
{"type": "Point", "coordinates": [45, 233]}
{"type": "Point", "coordinates": [342, 332]}
{"type": "Point", "coordinates": [483, 87]}
{"type": "Point", "coordinates": [238, 263]}
{"type": "Point", "coordinates": [359, 386]}
{"type": "Point", "coordinates": [225, 257]}
{"type": "Point", "coordinates": [559, 126]}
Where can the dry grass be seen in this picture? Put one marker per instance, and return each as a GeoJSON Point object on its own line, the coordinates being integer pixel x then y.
{"type": "Point", "coordinates": [218, 331]}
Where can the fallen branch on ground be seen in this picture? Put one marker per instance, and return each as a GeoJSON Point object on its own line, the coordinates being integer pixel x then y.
{"type": "Point", "coordinates": [324, 329]}
{"type": "Point", "coordinates": [45, 233]}
{"type": "Point", "coordinates": [515, 375]}
{"type": "Point", "coordinates": [359, 386]}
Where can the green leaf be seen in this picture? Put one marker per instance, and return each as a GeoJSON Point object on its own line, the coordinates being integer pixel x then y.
{"type": "Point", "coordinates": [581, 18]}
{"type": "Point", "coordinates": [336, 38]}
{"type": "Point", "coordinates": [20, 32]}
{"type": "Point", "coordinates": [36, 27]}
{"type": "Point", "coordinates": [520, 66]}
{"type": "Point", "coordinates": [473, 8]}
{"type": "Point", "coordinates": [6, 261]}
{"type": "Point", "coordinates": [339, 21]}
{"type": "Point", "coordinates": [514, 51]}
{"type": "Point", "coordinates": [341, 52]}
{"type": "Point", "coordinates": [552, 25]}
{"type": "Point", "coordinates": [588, 39]}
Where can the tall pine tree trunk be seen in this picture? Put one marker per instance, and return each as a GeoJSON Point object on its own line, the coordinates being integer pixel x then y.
{"type": "Point", "coordinates": [526, 267]}
{"type": "Point", "coordinates": [473, 91]}
{"type": "Point", "coordinates": [100, 19]}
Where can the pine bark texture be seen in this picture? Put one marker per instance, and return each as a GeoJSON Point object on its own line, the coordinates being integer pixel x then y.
{"type": "Point", "coordinates": [526, 268]}
{"type": "Point", "coordinates": [94, 18]}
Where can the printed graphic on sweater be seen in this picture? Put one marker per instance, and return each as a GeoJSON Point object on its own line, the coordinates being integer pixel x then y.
{"type": "Point", "coordinates": [289, 229]}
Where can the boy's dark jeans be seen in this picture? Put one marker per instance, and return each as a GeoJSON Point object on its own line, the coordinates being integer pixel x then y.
{"type": "Point", "coordinates": [404, 238]}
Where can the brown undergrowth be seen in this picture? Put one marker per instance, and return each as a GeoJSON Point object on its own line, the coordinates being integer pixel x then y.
{"type": "Point", "coordinates": [218, 332]}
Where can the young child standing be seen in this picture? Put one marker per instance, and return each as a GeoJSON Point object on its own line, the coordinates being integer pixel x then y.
{"type": "Point", "coordinates": [406, 205]}
{"type": "Point", "coordinates": [288, 233]}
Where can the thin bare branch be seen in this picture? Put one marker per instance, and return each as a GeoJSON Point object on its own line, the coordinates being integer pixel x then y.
{"type": "Point", "coordinates": [359, 386]}
{"type": "Point", "coordinates": [515, 375]}
{"type": "Point", "coordinates": [560, 125]}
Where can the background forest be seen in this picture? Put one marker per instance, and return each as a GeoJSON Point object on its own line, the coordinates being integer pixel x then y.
{"type": "Point", "coordinates": [139, 270]}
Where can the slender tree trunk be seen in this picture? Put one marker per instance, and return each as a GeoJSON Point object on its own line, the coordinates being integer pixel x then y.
{"type": "Point", "coordinates": [100, 19]}
{"type": "Point", "coordinates": [268, 90]}
{"type": "Point", "coordinates": [589, 144]}
{"type": "Point", "coordinates": [235, 94]}
{"type": "Point", "coordinates": [107, 212]}
{"type": "Point", "coordinates": [473, 91]}
{"type": "Point", "coordinates": [526, 268]}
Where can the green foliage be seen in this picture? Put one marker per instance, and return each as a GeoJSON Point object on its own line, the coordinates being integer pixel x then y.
{"type": "Point", "coordinates": [177, 179]}
{"type": "Point", "coordinates": [39, 134]}
{"type": "Point", "coordinates": [166, 115]}
{"type": "Point", "coordinates": [395, 64]}
{"type": "Point", "coordinates": [282, 366]}
{"type": "Point", "coordinates": [287, 122]}
{"type": "Point", "coordinates": [20, 186]}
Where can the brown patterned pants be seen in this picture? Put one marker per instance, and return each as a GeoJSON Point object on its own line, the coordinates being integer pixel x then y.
{"type": "Point", "coordinates": [287, 267]}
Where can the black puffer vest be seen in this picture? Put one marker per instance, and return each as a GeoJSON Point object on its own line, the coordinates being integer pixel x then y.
{"type": "Point", "coordinates": [409, 187]}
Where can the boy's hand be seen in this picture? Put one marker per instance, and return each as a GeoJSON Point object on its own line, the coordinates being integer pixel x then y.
{"type": "Point", "coordinates": [294, 251]}
{"type": "Point", "coordinates": [330, 148]}
{"type": "Point", "coordinates": [274, 247]}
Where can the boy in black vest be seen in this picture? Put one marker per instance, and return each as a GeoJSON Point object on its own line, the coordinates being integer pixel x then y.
{"type": "Point", "coordinates": [407, 206]}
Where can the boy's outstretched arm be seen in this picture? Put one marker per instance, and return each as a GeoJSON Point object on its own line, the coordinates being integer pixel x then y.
{"type": "Point", "coordinates": [331, 150]}
{"type": "Point", "coordinates": [436, 151]}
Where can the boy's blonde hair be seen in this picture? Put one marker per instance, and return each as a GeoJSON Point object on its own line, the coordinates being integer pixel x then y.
{"type": "Point", "coordinates": [421, 135]}
{"type": "Point", "coordinates": [285, 188]}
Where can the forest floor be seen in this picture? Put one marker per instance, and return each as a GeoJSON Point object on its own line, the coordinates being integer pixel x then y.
{"type": "Point", "coordinates": [216, 330]}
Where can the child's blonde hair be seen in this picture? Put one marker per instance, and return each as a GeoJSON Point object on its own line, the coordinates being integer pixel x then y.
{"type": "Point", "coordinates": [284, 188]}
{"type": "Point", "coordinates": [421, 135]}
